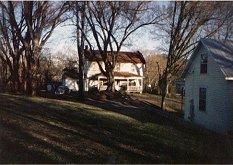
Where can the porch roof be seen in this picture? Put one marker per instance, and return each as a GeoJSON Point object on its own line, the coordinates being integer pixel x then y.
{"type": "Point", "coordinates": [116, 75]}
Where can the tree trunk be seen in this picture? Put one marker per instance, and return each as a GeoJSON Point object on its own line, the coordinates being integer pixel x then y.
{"type": "Point", "coordinates": [35, 72]}
{"type": "Point", "coordinates": [4, 73]}
{"type": "Point", "coordinates": [111, 84]}
{"type": "Point", "coordinates": [34, 85]}
{"type": "Point", "coordinates": [16, 77]}
{"type": "Point", "coordinates": [163, 88]}
{"type": "Point", "coordinates": [80, 46]}
{"type": "Point", "coordinates": [28, 75]}
{"type": "Point", "coordinates": [28, 82]}
{"type": "Point", "coordinates": [15, 82]}
{"type": "Point", "coordinates": [23, 77]}
{"type": "Point", "coordinates": [80, 84]}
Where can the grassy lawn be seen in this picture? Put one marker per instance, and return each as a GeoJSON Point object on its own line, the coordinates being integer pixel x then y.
{"type": "Point", "coordinates": [171, 104]}
{"type": "Point", "coordinates": [39, 130]}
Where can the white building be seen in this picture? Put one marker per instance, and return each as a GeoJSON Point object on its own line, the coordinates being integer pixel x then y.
{"type": "Point", "coordinates": [70, 79]}
{"type": "Point", "coordinates": [128, 72]}
{"type": "Point", "coordinates": [209, 85]}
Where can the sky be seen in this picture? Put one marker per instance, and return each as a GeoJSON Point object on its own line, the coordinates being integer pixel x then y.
{"type": "Point", "coordinates": [62, 40]}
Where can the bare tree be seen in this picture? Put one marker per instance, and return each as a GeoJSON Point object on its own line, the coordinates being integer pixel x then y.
{"type": "Point", "coordinates": [26, 27]}
{"type": "Point", "coordinates": [110, 24]}
{"type": "Point", "coordinates": [185, 25]}
{"type": "Point", "coordinates": [3, 75]}
{"type": "Point", "coordinates": [10, 45]}
{"type": "Point", "coordinates": [226, 31]}
{"type": "Point", "coordinates": [155, 64]}
{"type": "Point", "coordinates": [41, 19]}
{"type": "Point", "coordinates": [80, 27]}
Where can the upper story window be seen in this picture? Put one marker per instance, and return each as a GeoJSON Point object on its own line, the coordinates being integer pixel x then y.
{"type": "Point", "coordinates": [204, 61]}
{"type": "Point", "coordinates": [117, 67]}
{"type": "Point", "coordinates": [132, 68]}
{"type": "Point", "coordinates": [202, 99]}
{"type": "Point", "coordinates": [94, 66]}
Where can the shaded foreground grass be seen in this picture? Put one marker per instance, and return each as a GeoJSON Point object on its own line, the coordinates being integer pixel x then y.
{"type": "Point", "coordinates": [39, 130]}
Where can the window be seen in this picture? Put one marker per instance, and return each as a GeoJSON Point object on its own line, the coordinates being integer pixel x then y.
{"type": "Point", "coordinates": [132, 83]}
{"type": "Point", "coordinates": [132, 68]}
{"type": "Point", "coordinates": [117, 67]}
{"type": "Point", "coordinates": [140, 82]}
{"type": "Point", "coordinates": [202, 99]}
{"type": "Point", "coordinates": [94, 66]}
{"type": "Point", "coordinates": [204, 60]}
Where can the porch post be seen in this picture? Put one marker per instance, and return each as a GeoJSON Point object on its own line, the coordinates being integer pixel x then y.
{"type": "Point", "coordinates": [87, 84]}
{"type": "Point", "coordinates": [141, 85]}
{"type": "Point", "coordinates": [138, 85]}
{"type": "Point", "coordinates": [127, 84]}
{"type": "Point", "coordinates": [98, 86]}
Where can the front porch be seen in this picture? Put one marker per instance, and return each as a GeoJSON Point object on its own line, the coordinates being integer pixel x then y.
{"type": "Point", "coordinates": [131, 84]}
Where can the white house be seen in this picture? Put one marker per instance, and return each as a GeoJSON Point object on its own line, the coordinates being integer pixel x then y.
{"type": "Point", "coordinates": [209, 85]}
{"type": "Point", "coordinates": [128, 72]}
{"type": "Point", "coordinates": [70, 78]}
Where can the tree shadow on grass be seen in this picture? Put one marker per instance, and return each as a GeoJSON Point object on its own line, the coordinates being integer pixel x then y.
{"type": "Point", "coordinates": [140, 110]}
{"type": "Point", "coordinates": [21, 147]}
{"type": "Point", "coordinates": [70, 157]}
{"type": "Point", "coordinates": [81, 136]}
{"type": "Point", "coordinates": [68, 120]}
{"type": "Point", "coordinates": [145, 112]}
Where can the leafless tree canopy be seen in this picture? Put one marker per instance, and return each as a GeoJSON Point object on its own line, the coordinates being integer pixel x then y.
{"type": "Point", "coordinates": [185, 23]}
{"type": "Point", "coordinates": [25, 28]}
{"type": "Point", "coordinates": [105, 26]}
{"type": "Point", "coordinates": [155, 64]}
{"type": "Point", "coordinates": [110, 24]}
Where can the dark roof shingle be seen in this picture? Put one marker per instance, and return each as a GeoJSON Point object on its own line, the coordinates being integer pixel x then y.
{"type": "Point", "coordinates": [122, 57]}
{"type": "Point", "coordinates": [71, 73]}
{"type": "Point", "coordinates": [221, 51]}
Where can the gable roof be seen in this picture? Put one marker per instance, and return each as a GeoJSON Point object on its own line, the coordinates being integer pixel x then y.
{"type": "Point", "coordinates": [71, 73]}
{"type": "Point", "coordinates": [122, 57]}
{"type": "Point", "coordinates": [221, 51]}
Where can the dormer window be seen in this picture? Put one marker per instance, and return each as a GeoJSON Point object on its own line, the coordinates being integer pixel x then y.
{"type": "Point", "coordinates": [204, 61]}
{"type": "Point", "coordinates": [117, 67]}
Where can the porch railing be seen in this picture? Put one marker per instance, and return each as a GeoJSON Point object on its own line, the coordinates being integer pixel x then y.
{"type": "Point", "coordinates": [134, 89]}
{"type": "Point", "coordinates": [103, 87]}
{"type": "Point", "coordinates": [129, 88]}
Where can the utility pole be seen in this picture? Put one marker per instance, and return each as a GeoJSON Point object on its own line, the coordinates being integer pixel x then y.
{"type": "Point", "coordinates": [80, 25]}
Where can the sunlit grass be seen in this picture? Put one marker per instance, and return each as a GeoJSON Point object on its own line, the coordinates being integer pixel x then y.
{"type": "Point", "coordinates": [171, 104]}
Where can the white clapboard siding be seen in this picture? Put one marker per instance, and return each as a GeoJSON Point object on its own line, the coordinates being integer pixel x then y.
{"type": "Point", "coordinates": [92, 68]}
{"type": "Point", "coordinates": [71, 83]}
{"type": "Point", "coordinates": [219, 103]}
